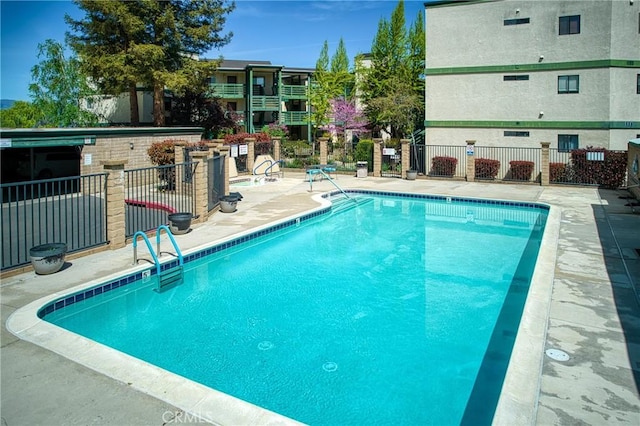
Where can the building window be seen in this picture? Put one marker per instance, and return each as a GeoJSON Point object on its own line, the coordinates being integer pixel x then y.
{"type": "Point", "coordinates": [638, 84]}
{"type": "Point", "coordinates": [515, 77]}
{"type": "Point", "coordinates": [569, 25]}
{"type": "Point", "coordinates": [510, 133]}
{"type": "Point", "coordinates": [232, 79]}
{"type": "Point", "coordinates": [566, 143]}
{"type": "Point", "coordinates": [568, 84]}
{"type": "Point", "coordinates": [517, 21]}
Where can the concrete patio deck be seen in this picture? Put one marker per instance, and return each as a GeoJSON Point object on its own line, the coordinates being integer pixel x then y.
{"type": "Point", "coordinates": [593, 314]}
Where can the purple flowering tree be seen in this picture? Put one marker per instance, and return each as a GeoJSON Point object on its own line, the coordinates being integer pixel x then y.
{"type": "Point", "coordinates": [344, 116]}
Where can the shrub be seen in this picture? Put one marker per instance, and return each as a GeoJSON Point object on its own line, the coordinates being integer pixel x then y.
{"type": "Point", "coordinates": [239, 138]}
{"type": "Point", "coordinates": [557, 172]}
{"type": "Point", "coordinates": [609, 172]}
{"type": "Point", "coordinates": [443, 166]}
{"type": "Point", "coordinates": [487, 168]}
{"type": "Point", "coordinates": [364, 151]}
{"type": "Point", "coordinates": [521, 170]}
{"type": "Point", "coordinates": [163, 153]}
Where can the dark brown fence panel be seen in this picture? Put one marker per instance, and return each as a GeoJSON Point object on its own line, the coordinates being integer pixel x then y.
{"type": "Point", "coordinates": [70, 210]}
{"type": "Point", "coordinates": [152, 193]}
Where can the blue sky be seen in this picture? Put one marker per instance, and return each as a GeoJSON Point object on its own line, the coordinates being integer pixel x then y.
{"type": "Point", "coordinates": [289, 33]}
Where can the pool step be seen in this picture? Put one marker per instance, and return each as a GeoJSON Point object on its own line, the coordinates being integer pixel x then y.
{"type": "Point", "coordinates": [170, 278]}
{"type": "Point", "coordinates": [343, 204]}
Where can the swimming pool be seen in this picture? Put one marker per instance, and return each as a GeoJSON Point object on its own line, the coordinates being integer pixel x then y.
{"type": "Point", "coordinates": [405, 283]}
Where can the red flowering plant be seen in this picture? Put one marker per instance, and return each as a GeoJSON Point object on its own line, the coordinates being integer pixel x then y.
{"type": "Point", "coordinates": [487, 168]}
{"type": "Point", "coordinates": [443, 166]}
{"type": "Point", "coordinates": [521, 170]}
{"type": "Point", "coordinates": [599, 166]}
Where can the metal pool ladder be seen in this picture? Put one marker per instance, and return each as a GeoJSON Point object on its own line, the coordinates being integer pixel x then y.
{"type": "Point", "coordinates": [170, 276]}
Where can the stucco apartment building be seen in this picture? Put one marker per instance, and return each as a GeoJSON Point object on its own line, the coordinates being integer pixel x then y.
{"type": "Point", "coordinates": [515, 73]}
{"type": "Point", "coordinates": [265, 92]}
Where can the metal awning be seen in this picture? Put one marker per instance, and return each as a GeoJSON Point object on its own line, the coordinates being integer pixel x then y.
{"type": "Point", "coordinates": [47, 142]}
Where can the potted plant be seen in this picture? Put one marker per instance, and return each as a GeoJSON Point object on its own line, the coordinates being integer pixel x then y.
{"type": "Point", "coordinates": [228, 203]}
{"type": "Point", "coordinates": [48, 258]}
{"type": "Point", "coordinates": [179, 223]}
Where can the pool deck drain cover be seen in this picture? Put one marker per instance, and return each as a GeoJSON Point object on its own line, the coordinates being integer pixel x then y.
{"type": "Point", "coordinates": [557, 354]}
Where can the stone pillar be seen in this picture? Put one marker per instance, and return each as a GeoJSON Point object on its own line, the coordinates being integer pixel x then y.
{"type": "Point", "coordinates": [406, 159]}
{"type": "Point", "coordinates": [324, 150]}
{"type": "Point", "coordinates": [251, 153]}
{"type": "Point", "coordinates": [200, 187]}
{"type": "Point", "coordinates": [471, 161]}
{"type": "Point", "coordinates": [544, 163]}
{"type": "Point", "coordinates": [116, 225]}
{"type": "Point", "coordinates": [276, 148]}
{"type": "Point", "coordinates": [179, 152]}
{"type": "Point", "coordinates": [377, 157]}
{"type": "Point", "coordinates": [211, 149]}
{"type": "Point", "coordinates": [225, 152]}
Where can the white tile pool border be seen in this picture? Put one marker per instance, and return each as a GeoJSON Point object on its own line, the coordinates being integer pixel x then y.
{"type": "Point", "coordinates": [517, 403]}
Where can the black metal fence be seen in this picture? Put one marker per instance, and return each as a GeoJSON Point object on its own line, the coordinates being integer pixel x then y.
{"type": "Point", "coordinates": [69, 210]}
{"type": "Point", "coordinates": [152, 193]}
{"type": "Point", "coordinates": [215, 181]}
{"type": "Point", "coordinates": [507, 163]}
{"type": "Point", "coordinates": [434, 155]}
{"type": "Point", "coordinates": [391, 162]}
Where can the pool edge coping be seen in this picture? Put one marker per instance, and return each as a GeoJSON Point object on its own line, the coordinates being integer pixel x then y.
{"type": "Point", "coordinates": [514, 405]}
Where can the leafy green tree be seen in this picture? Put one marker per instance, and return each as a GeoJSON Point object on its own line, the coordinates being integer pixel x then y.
{"type": "Point", "coordinates": [340, 60]}
{"type": "Point", "coordinates": [21, 115]}
{"type": "Point", "coordinates": [401, 108]}
{"type": "Point", "coordinates": [151, 42]}
{"type": "Point", "coordinates": [59, 87]}
{"type": "Point", "coordinates": [333, 80]}
{"type": "Point", "coordinates": [106, 40]}
{"type": "Point", "coordinates": [395, 71]}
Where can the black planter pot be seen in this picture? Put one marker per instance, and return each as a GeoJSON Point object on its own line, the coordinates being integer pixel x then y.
{"type": "Point", "coordinates": [179, 223]}
{"type": "Point", "coordinates": [228, 203]}
{"type": "Point", "coordinates": [48, 258]}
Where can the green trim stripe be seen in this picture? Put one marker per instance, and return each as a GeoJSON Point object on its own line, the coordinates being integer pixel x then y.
{"type": "Point", "coordinates": [555, 66]}
{"type": "Point", "coordinates": [593, 125]}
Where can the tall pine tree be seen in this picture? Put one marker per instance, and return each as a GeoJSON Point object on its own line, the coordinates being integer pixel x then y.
{"type": "Point", "coordinates": [154, 43]}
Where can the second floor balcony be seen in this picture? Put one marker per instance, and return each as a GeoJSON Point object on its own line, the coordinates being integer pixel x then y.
{"type": "Point", "coordinates": [227, 90]}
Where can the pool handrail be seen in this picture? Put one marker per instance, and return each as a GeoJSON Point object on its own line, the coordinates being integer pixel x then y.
{"type": "Point", "coordinates": [271, 163]}
{"type": "Point", "coordinates": [148, 243]}
{"type": "Point", "coordinates": [313, 171]}
{"type": "Point", "coordinates": [173, 242]}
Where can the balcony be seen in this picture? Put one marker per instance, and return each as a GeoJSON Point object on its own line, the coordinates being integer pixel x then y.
{"type": "Point", "coordinates": [294, 92]}
{"type": "Point", "coordinates": [293, 118]}
{"type": "Point", "coordinates": [227, 91]}
{"type": "Point", "coordinates": [265, 103]}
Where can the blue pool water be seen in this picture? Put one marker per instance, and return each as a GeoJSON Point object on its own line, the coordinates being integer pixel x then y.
{"type": "Point", "coordinates": [402, 310]}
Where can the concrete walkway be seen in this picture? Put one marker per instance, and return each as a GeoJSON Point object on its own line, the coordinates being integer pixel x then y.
{"type": "Point", "coordinates": [593, 316]}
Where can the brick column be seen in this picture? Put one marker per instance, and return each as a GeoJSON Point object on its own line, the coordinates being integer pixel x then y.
{"type": "Point", "coordinates": [377, 157]}
{"type": "Point", "coordinates": [406, 159]}
{"type": "Point", "coordinates": [225, 152]}
{"type": "Point", "coordinates": [471, 161]}
{"type": "Point", "coordinates": [544, 163]}
{"type": "Point", "coordinates": [116, 225]}
{"type": "Point", "coordinates": [324, 150]}
{"type": "Point", "coordinates": [276, 148]}
{"type": "Point", "coordinates": [251, 153]}
{"type": "Point", "coordinates": [179, 152]}
{"type": "Point", "coordinates": [200, 187]}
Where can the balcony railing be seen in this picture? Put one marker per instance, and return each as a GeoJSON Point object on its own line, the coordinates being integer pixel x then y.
{"type": "Point", "coordinates": [294, 92]}
{"type": "Point", "coordinates": [295, 117]}
{"type": "Point", "coordinates": [265, 103]}
{"type": "Point", "coordinates": [227, 90]}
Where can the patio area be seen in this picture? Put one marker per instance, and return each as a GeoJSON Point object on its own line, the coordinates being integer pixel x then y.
{"type": "Point", "coordinates": [593, 270]}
